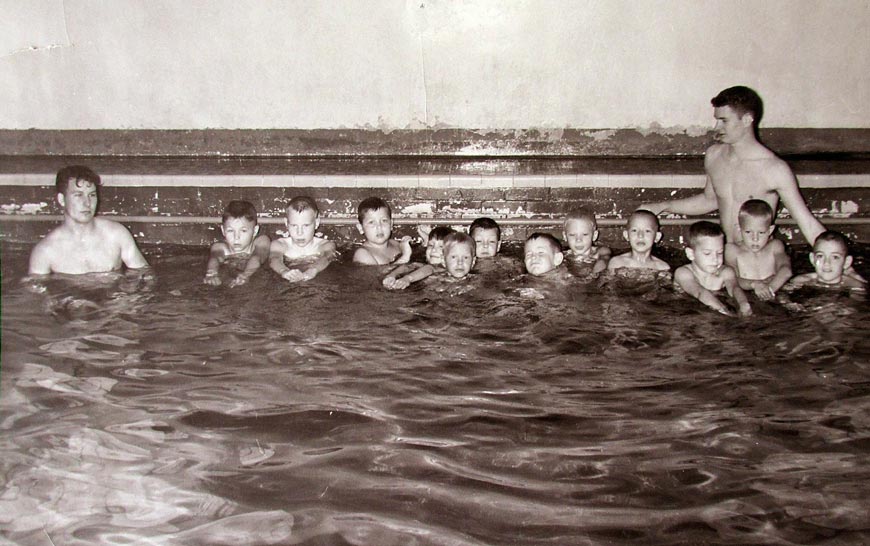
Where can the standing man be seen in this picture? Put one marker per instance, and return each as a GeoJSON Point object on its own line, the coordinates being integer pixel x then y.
{"type": "Point", "coordinates": [740, 168]}
{"type": "Point", "coordinates": [83, 243]}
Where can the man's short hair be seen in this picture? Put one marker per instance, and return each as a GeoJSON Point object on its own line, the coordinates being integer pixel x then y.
{"type": "Point", "coordinates": [704, 228]}
{"type": "Point", "coordinates": [742, 100]}
{"type": "Point", "coordinates": [756, 208]}
{"type": "Point", "coordinates": [439, 233]}
{"type": "Point", "coordinates": [75, 172]}
{"type": "Point", "coordinates": [459, 238]}
{"type": "Point", "coordinates": [833, 237]}
{"type": "Point", "coordinates": [582, 214]}
{"type": "Point", "coordinates": [548, 238]}
{"type": "Point", "coordinates": [303, 203]}
{"type": "Point", "coordinates": [240, 209]}
{"type": "Point", "coordinates": [371, 204]}
{"type": "Point", "coordinates": [485, 223]}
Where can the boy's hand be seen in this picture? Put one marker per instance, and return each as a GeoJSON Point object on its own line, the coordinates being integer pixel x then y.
{"type": "Point", "coordinates": [725, 311]}
{"type": "Point", "coordinates": [238, 281]}
{"type": "Point", "coordinates": [762, 290]}
{"type": "Point", "coordinates": [745, 310]}
{"type": "Point", "coordinates": [212, 279]}
{"type": "Point", "coordinates": [423, 230]}
{"type": "Point", "coordinates": [293, 275]}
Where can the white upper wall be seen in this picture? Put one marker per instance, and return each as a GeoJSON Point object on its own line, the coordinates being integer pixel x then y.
{"type": "Point", "coordinates": [394, 64]}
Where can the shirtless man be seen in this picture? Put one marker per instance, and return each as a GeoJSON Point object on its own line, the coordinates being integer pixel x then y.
{"type": "Point", "coordinates": [83, 243]}
{"type": "Point", "coordinates": [740, 168]}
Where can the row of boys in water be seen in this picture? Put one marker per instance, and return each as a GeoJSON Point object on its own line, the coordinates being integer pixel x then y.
{"type": "Point", "coordinates": [758, 263]}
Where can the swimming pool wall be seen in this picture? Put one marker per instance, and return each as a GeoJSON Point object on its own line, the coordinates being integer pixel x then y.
{"type": "Point", "coordinates": [171, 186]}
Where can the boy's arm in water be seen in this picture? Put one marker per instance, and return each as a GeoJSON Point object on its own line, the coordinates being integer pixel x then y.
{"type": "Point", "coordinates": [325, 255]}
{"type": "Point", "coordinates": [216, 257]}
{"type": "Point", "coordinates": [415, 274]}
{"type": "Point", "coordinates": [685, 279]}
{"type": "Point", "coordinates": [734, 290]}
{"type": "Point", "coordinates": [782, 267]}
{"type": "Point", "coordinates": [602, 258]}
{"type": "Point", "coordinates": [405, 257]}
{"type": "Point", "coordinates": [259, 256]}
{"type": "Point", "coordinates": [276, 258]}
{"type": "Point", "coordinates": [700, 203]}
{"type": "Point", "coordinates": [399, 271]}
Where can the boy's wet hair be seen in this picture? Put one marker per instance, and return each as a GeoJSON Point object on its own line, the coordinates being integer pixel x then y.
{"type": "Point", "coordinates": [742, 100]}
{"type": "Point", "coordinates": [582, 214]}
{"type": "Point", "coordinates": [756, 208]}
{"type": "Point", "coordinates": [704, 228]}
{"type": "Point", "coordinates": [457, 238]}
{"type": "Point", "coordinates": [643, 213]}
{"type": "Point", "coordinates": [240, 209]}
{"type": "Point", "coordinates": [833, 237]}
{"type": "Point", "coordinates": [75, 172]}
{"type": "Point", "coordinates": [550, 239]}
{"type": "Point", "coordinates": [485, 223]}
{"type": "Point", "coordinates": [439, 233]}
{"type": "Point", "coordinates": [371, 204]}
{"type": "Point", "coordinates": [301, 204]}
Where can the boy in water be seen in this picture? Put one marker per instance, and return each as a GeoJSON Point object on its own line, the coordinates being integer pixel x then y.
{"type": "Point", "coordinates": [241, 242]}
{"type": "Point", "coordinates": [84, 242]}
{"type": "Point", "coordinates": [707, 273]}
{"type": "Point", "coordinates": [830, 257]}
{"type": "Point", "coordinates": [641, 232]}
{"type": "Point", "coordinates": [376, 225]}
{"type": "Point", "coordinates": [309, 253]}
{"type": "Point", "coordinates": [406, 274]}
{"type": "Point", "coordinates": [581, 231]}
{"type": "Point", "coordinates": [543, 255]}
{"type": "Point", "coordinates": [487, 237]}
{"type": "Point", "coordinates": [460, 253]}
{"type": "Point", "coordinates": [760, 261]}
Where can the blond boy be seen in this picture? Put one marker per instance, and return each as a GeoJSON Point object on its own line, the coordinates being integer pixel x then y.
{"type": "Point", "coordinates": [761, 262]}
{"type": "Point", "coordinates": [308, 253]}
{"type": "Point", "coordinates": [580, 231]}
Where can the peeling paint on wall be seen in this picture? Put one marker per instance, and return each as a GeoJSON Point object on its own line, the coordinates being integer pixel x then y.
{"type": "Point", "coordinates": [27, 208]}
{"type": "Point", "coordinates": [843, 209]}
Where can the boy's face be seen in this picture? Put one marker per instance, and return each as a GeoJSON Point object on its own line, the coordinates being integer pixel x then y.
{"type": "Point", "coordinates": [755, 232]}
{"type": "Point", "coordinates": [580, 234]}
{"type": "Point", "coordinates": [540, 257]}
{"type": "Point", "coordinates": [641, 233]}
{"type": "Point", "coordinates": [829, 259]}
{"type": "Point", "coordinates": [435, 252]}
{"type": "Point", "coordinates": [302, 225]}
{"type": "Point", "coordinates": [708, 255]}
{"type": "Point", "coordinates": [376, 227]}
{"type": "Point", "coordinates": [458, 259]}
{"type": "Point", "coordinates": [79, 201]}
{"type": "Point", "coordinates": [486, 242]}
{"type": "Point", "coordinates": [239, 233]}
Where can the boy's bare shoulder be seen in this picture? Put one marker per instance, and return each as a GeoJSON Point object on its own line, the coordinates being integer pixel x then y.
{"type": "Point", "coordinates": [623, 260]}
{"type": "Point", "coordinates": [660, 265]}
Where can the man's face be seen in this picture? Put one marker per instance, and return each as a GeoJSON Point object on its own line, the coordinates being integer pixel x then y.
{"type": "Point", "coordinates": [79, 201]}
{"type": "Point", "coordinates": [731, 127]}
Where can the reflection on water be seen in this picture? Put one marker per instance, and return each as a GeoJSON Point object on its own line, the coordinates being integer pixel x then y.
{"type": "Point", "coordinates": [336, 412]}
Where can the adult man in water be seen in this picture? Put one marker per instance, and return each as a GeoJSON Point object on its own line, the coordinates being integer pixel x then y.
{"type": "Point", "coordinates": [740, 168]}
{"type": "Point", "coordinates": [83, 243]}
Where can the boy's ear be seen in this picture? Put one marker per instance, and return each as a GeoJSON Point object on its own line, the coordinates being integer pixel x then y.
{"type": "Point", "coordinates": [359, 228]}
{"type": "Point", "coordinates": [625, 234]}
{"type": "Point", "coordinates": [557, 258]}
{"type": "Point", "coordinates": [658, 236]}
{"type": "Point", "coordinates": [498, 246]}
{"type": "Point", "coordinates": [594, 235]}
{"type": "Point", "coordinates": [812, 257]}
{"type": "Point", "coordinates": [224, 233]}
{"type": "Point", "coordinates": [690, 254]}
{"type": "Point", "coordinates": [317, 221]}
{"type": "Point", "coordinates": [256, 229]}
{"type": "Point", "coordinates": [61, 200]}
{"type": "Point", "coordinates": [847, 263]}
{"type": "Point", "coordinates": [770, 229]}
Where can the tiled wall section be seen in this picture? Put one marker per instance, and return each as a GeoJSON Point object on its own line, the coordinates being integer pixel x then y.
{"type": "Point", "coordinates": [185, 209]}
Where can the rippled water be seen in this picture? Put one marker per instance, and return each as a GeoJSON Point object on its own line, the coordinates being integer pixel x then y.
{"type": "Point", "coordinates": [513, 412]}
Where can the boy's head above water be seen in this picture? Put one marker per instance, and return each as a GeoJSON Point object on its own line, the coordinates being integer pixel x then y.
{"type": "Point", "coordinates": [435, 245]}
{"type": "Point", "coordinates": [706, 246]}
{"type": "Point", "coordinates": [543, 253]}
{"type": "Point", "coordinates": [303, 218]}
{"type": "Point", "coordinates": [375, 220]}
{"type": "Point", "coordinates": [830, 256]}
{"type": "Point", "coordinates": [239, 225]}
{"type": "Point", "coordinates": [487, 237]}
{"type": "Point", "coordinates": [756, 224]}
{"type": "Point", "coordinates": [459, 254]}
{"type": "Point", "coordinates": [642, 231]}
{"type": "Point", "coordinates": [580, 231]}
